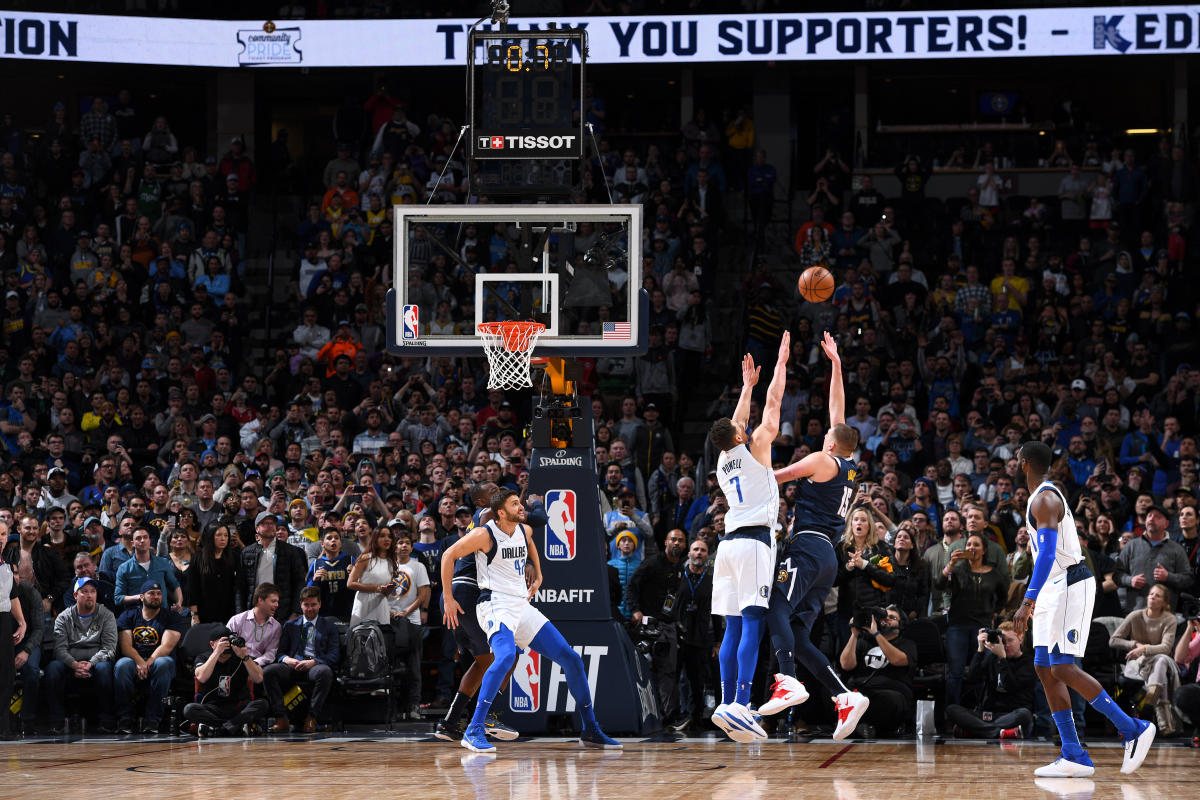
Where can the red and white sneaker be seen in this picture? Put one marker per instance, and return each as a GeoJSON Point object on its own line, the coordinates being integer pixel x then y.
{"type": "Point", "coordinates": [850, 708]}
{"type": "Point", "coordinates": [786, 692]}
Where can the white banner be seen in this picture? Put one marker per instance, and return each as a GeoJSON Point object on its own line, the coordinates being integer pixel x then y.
{"type": "Point", "coordinates": [1016, 33]}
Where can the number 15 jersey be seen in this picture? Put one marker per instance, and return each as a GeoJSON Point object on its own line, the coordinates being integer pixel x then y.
{"type": "Point", "coordinates": [750, 488]}
{"type": "Point", "coordinates": [822, 506]}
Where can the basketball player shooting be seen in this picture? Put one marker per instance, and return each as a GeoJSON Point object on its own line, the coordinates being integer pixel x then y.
{"type": "Point", "coordinates": [502, 549]}
{"type": "Point", "coordinates": [746, 558]}
{"type": "Point", "coordinates": [1059, 599]}
{"type": "Point", "coordinates": [808, 565]}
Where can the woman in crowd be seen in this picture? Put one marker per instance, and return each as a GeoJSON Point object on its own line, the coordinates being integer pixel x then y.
{"type": "Point", "coordinates": [211, 582]}
{"type": "Point", "coordinates": [862, 581]}
{"type": "Point", "coordinates": [977, 593]}
{"type": "Point", "coordinates": [1147, 637]}
{"type": "Point", "coordinates": [373, 577]}
{"type": "Point", "coordinates": [910, 591]}
{"type": "Point", "coordinates": [180, 552]}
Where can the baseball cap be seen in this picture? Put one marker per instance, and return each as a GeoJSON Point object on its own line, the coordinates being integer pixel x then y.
{"type": "Point", "coordinates": [1080, 384]}
{"type": "Point", "coordinates": [263, 516]}
{"type": "Point", "coordinates": [84, 581]}
{"type": "Point", "coordinates": [462, 510]}
{"type": "Point", "coordinates": [12, 295]}
{"type": "Point", "coordinates": [56, 471]}
{"type": "Point", "coordinates": [207, 418]}
{"type": "Point", "coordinates": [150, 585]}
{"type": "Point", "coordinates": [90, 520]}
{"type": "Point", "coordinates": [650, 407]}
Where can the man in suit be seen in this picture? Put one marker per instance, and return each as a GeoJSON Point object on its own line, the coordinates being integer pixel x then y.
{"type": "Point", "coordinates": [270, 560]}
{"type": "Point", "coordinates": [309, 649]}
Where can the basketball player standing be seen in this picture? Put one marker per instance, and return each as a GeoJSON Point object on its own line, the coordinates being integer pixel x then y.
{"type": "Point", "coordinates": [745, 561]}
{"type": "Point", "coordinates": [1060, 597]}
{"type": "Point", "coordinates": [502, 549]}
{"type": "Point", "coordinates": [808, 565]}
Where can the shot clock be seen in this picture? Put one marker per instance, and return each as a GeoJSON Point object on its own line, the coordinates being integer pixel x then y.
{"type": "Point", "coordinates": [525, 91]}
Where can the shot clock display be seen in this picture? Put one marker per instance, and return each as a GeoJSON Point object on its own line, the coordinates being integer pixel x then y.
{"type": "Point", "coordinates": [525, 94]}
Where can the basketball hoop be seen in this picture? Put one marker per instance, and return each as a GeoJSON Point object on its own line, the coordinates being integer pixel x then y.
{"type": "Point", "coordinates": [509, 347]}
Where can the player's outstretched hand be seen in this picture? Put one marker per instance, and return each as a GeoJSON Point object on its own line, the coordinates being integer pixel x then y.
{"type": "Point", "coordinates": [830, 348]}
{"type": "Point", "coordinates": [749, 371]}
{"type": "Point", "coordinates": [452, 610]}
{"type": "Point", "coordinates": [785, 347]}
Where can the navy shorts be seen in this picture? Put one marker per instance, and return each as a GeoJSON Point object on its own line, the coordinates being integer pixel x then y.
{"type": "Point", "coordinates": [468, 635]}
{"type": "Point", "coordinates": [805, 573]}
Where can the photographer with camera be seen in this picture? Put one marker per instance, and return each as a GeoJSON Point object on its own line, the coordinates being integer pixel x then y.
{"type": "Point", "coordinates": [226, 701]}
{"type": "Point", "coordinates": [1003, 676]}
{"type": "Point", "coordinates": [652, 599]}
{"type": "Point", "coordinates": [880, 663]}
{"type": "Point", "coordinates": [977, 592]}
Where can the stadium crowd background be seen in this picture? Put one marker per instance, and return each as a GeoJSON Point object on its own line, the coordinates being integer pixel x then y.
{"type": "Point", "coordinates": [966, 326]}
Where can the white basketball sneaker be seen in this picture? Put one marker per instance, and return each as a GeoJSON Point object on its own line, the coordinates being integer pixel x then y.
{"type": "Point", "coordinates": [1062, 768]}
{"type": "Point", "coordinates": [738, 723]}
{"type": "Point", "coordinates": [1137, 748]}
{"type": "Point", "coordinates": [850, 708]}
{"type": "Point", "coordinates": [786, 692]}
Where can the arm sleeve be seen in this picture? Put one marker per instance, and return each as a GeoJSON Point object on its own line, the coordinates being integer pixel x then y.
{"type": "Point", "coordinates": [1047, 543]}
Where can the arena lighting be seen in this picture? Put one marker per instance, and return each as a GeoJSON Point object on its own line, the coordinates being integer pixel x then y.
{"type": "Point", "coordinates": [1142, 131]}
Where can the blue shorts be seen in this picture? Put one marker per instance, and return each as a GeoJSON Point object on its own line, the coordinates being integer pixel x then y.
{"type": "Point", "coordinates": [468, 635]}
{"type": "Point", "coordinates": [804, 575]}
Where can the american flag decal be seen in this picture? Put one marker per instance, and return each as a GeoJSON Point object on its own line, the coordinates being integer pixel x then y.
{"type": "Point", "coordinates": [616, 330]}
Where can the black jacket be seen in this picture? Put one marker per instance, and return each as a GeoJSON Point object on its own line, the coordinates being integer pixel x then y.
{"type": "Point", "coordinates": [652, 581]}
{"type": "Point", "coordinates": [291, 567]}
{"type": "Point", "coordinates": [50, 572]}
{"type": "Point", "coordinates": [694, 608]}
{"type": "Point", "coordinates": [1004, 684]}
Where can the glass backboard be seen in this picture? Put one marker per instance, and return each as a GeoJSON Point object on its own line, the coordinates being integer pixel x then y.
{"type": "Point", "coordinates": [574, 268]}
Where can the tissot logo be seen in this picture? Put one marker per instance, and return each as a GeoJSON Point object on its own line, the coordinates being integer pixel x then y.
{"type": "Point", "coordinates": [526, 142]}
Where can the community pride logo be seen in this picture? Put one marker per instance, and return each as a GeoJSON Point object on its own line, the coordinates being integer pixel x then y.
{"type": "Point", "coordinates": [270, 45]}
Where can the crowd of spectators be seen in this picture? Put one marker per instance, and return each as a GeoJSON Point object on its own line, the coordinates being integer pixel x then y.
{"type": "Point", "coordinates": [156, 478]}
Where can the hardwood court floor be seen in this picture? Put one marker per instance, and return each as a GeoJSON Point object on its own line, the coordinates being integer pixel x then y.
{"type": "Point", "coordinates": [324, 768]}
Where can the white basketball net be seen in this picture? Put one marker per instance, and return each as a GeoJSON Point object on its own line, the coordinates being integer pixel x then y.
{"type": "Point", "coordinates": [509, 346]}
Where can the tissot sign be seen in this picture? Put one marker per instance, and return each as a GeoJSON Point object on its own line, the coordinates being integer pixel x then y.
{"type": "Point", "coordinates": [1006, 33]}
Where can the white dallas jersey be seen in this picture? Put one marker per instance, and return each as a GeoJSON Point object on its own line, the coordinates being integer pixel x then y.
{"type": "Point", "coordinates": [750, 488]}
{"type": "Point", "coordinates": [1066, 552]}
{"type": "Point", "coordinates": [501, 570]}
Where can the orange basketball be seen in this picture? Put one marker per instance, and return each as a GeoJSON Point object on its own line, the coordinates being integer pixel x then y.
{"type": "Point", "coordinates": [816, 284]}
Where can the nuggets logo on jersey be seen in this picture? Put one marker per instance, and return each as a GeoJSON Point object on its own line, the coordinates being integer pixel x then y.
{"type": "Point", "coordinates": [403, 584]}
{"type": "Point", "coordinates": [560, 529]}
{"type": "Point", "coordinates": [524, 688]}
{"type": "Point", "coordinates": [409, 321]}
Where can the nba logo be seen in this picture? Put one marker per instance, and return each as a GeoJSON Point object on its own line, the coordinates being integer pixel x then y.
{"type": "Point", "coordinates": [524, 688]}
{"type": "Point", "coordinates": [560, 529]}
{"type": "Point", "coordinates": [409, 322]}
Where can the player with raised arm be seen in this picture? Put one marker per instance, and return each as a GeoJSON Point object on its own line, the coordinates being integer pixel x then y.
{"type": "Point", "coordinates": [1060, 596]}
{"type": "Point", "coordinates": [745, 560]}
{"type": "Point", "coordinates": [808, 564]}
{"type": "Point", "coordinates": [502, 549]}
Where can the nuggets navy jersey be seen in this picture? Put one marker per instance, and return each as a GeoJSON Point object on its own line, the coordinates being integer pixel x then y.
{"type": "Point", "coordinates": [464, 572]}
{"type": "Point", "coordinates": [501, 570]}
{"type": "Point", "coordinates": [750, 488]}
{"type": "Point", "coordinates": [822, 506]}
{"type": "Point", "coordinates": [1067, 552]}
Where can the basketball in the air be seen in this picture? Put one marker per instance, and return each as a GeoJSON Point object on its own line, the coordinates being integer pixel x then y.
{"type": "Point", "coordinates": [816, 284]}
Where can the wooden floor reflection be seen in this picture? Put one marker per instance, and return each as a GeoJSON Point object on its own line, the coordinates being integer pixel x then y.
{"type": "Point", "coordinates": [324, 768]}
